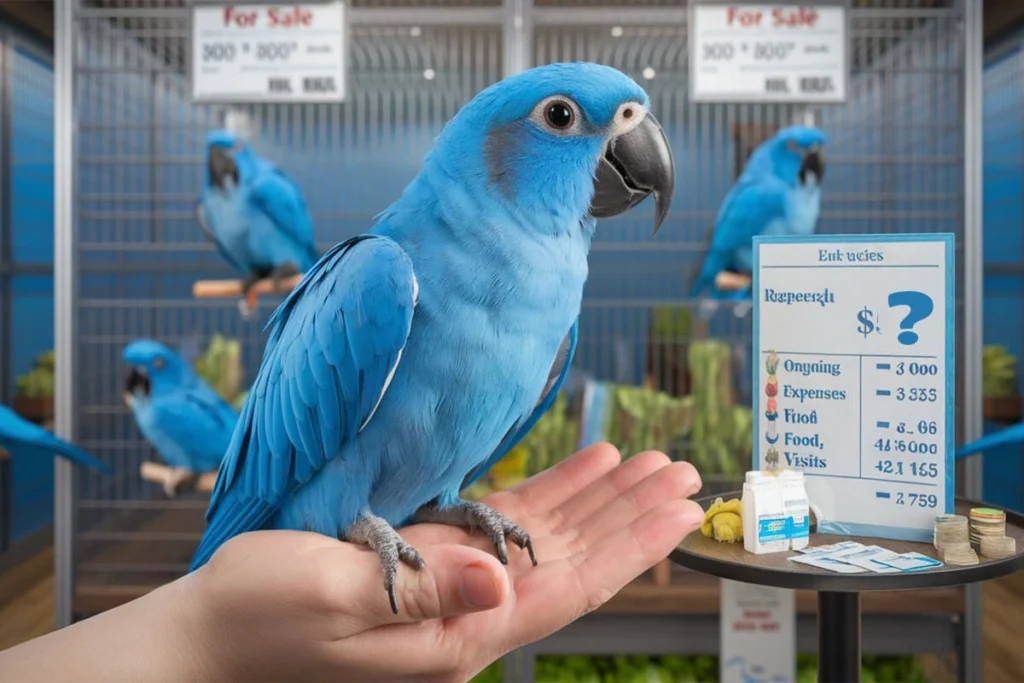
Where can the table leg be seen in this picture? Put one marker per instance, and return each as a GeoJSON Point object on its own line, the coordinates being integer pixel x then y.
{"type": "Point", "coordinates": [838, 637]}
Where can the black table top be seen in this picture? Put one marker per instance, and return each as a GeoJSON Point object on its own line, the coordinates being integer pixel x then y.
{"type": "Point", "coordinates": [731, 561]}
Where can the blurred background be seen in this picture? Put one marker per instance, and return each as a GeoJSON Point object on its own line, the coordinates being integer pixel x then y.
{"type": "Point", "coordinates": [649, 372]}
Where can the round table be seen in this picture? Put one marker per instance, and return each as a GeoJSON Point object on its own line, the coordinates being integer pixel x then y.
{"type": "Point", "coordinates": [839, 651]}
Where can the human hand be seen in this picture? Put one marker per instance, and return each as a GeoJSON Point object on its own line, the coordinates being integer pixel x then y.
{"type": "Point", "coordinates": [283, 605]}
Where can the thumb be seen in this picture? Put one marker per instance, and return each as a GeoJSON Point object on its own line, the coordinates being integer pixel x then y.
{"type": "Point", "coordinates": [454, 580]}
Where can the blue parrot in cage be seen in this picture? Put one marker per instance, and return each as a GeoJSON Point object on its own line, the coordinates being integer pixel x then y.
{"type": "Point", "coordinates": [21, 437]}
{"type": "Point", "coordinates": [255, 214]}
{"type": "Point", "coordinates": [185, 420]}
{"type": "Point", "coordinates": [412, 357]}
{"type": "Point", "coordinates": [778, 193]}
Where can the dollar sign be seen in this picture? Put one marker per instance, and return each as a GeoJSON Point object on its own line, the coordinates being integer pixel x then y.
{"type": "Point", "coordinates": [867, 326]}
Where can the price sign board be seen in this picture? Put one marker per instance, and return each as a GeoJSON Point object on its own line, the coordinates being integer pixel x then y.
{"type": "Point", "coordinates": [768, 52]}
{"type": "Point", "coordinates": [758, 634]}
{"type": "Point", "coordinates": [854, 350]}
{"type": "Point", "coordinates": [269, 52]}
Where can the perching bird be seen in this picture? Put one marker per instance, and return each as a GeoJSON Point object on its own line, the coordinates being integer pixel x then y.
{"type": "Point", "coordinates": [19, 436]}
{"type": "Point", "coordinates": [779, 193]}
{"type": "Point", "coordinates": [1012, 434]}
{"type": "Point", "coordinates": [411, 358]}
{"type": "Point", "coordinates": [187, 423]}
{"type": "Point", "coordinates": [255, 215]}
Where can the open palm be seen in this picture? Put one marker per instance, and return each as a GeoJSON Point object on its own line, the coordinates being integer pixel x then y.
{"type": "Point", "coordinates": [596, 525]}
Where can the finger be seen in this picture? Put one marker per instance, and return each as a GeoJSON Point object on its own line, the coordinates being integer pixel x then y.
{"type": "Point", "coordinates": [455, 580]}
{"type": "Point", "coordinates": [674, 482]}
{"type": "Point", "coordinates": [608, 488]}
{"type": "Point", "coordinates": [560, 592]}
{"type": "Point", "coordinates": [547, 490]}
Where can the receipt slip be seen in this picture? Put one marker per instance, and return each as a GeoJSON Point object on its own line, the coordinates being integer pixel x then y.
{"type": "Point", "coordinates": [829, 548]}
{"type": "Point", "coordinates": [825, 561]}
{"type": "Point", "coordinates": [870, 557]}
{"type": "Point", "coordinates": [912, 562]}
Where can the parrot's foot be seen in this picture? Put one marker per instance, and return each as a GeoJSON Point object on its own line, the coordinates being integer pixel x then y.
{"type": "Point", "coordinates": [475, 515]}
{"type": "Point", "coordinates": [247, 304]}
{"type": "Point", "coordinates": [741, 310]}
{"type": "Point", "coordinates": [707, 308]}
{"type": "Point", "coordinates": [175, 478]}
{"type": "Point", "coordinates": [390, 547]}
{"type": "Point", "coordinates": [281, 272]}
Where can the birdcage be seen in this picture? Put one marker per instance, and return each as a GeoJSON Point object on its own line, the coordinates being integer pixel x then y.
{"type": "Point", "coordinates": [902, 157]}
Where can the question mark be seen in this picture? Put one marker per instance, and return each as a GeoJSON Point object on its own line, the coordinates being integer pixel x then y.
{"type": "Point", "coordinates": [920, 305]}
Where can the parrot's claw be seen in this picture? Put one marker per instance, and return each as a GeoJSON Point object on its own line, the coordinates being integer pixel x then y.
{"type": "Point", "coordinates": [741, 310]}
{"type": "Point", "coordinates": [390, 547]}
{"type": "Point", "coordinates": [175, 477]}
{"type": "Point", "coordinates": [280, 273]}
{"type": "Point", "coordinates": [475, 515]}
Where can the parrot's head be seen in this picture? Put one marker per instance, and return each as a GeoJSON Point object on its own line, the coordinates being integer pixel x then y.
{"type": "Point", "coordinates": [227, 157]}
{"type": "Point", "coordinates": [152, 370]}
{"type": "Point", "coordinates": [798, 155]}
{"type": "Point", "coordinates": [559, 144]}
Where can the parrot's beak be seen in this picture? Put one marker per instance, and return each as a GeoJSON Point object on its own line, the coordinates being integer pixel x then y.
{"type": "Point", "coordinates": [222, 166]}
{"type": "Point", "coordinates": [814, 162]}
{"type": "Point", "coordinates": [136, 379]}
{"type": "Point", "coordinates": [634, 165]}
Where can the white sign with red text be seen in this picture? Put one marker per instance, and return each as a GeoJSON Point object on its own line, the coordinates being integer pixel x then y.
{"type": "Point", "coordinates": [269, 52]}
{"type": "Point", "coordinates": [768, 53]}
{"type": "Point", "coordinates": [758, 634]}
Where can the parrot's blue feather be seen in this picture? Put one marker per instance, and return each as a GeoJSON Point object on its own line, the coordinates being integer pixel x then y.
{"type": "Point", "coordinates": [185, 420]}
{"type": "Point", "coordinates": [257, 218]}
{"type": "Point", "coordinates": [560, 371]}
{"type": "Point", "coordinates": [410, 358]}
{"type": "Point", "coordinates": [1012, 434]}
{"type": "Point", "coordinates": [21, 437]}
{"type": "Point", "coordinates": [769, 198]}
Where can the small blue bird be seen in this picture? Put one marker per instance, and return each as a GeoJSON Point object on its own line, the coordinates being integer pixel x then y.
{"type": "Point", "coordinates": [185, 420]}
{"type": "Point", "coordinates": [255, 215]}
{"type": "Point", "coordinates": [21, 437]}
{"type": "Point", "coordinates": [779, 193]}
{"type": "Point", "coordinates": [411, 358]}
{"type": "Point", "coordinates": [1012, 434]}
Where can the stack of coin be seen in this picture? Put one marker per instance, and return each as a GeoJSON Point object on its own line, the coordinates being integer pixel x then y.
{"type": "Point", "coordinates": [949, 529]}
{"type": "Point", "coordinates": [998, 547]}
{"type": "Point", "coordinates": [959, 554]}
{"type": "Point", "coordinates": [986, 522]}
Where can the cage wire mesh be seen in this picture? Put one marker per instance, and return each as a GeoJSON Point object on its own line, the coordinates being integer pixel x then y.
{"type": "Point", "coordinates": [895, 166]}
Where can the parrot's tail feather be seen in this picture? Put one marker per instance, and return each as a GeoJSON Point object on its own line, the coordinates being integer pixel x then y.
{"type": "Point", "coordinates": [77, 455]}
{"type": "Point", "coordinates": [1014, 434]}
{"type": "Point", "coordinates": [233, 518]}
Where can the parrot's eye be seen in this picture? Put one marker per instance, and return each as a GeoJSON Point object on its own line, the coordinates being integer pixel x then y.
{"type": "Point", "coordinates": [559, 115]}
{"type": "Point", "coordinates": [793, 146]}
{"type": "Point", "coordinates": [158, 363]}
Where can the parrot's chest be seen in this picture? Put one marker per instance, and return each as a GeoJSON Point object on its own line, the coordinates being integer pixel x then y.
{"type": "Point", "coordinates": [245, 231]}
{"type": "Point", "coordinates": [802, 210]}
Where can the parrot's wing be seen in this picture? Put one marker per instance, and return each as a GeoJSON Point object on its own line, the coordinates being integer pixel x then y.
{"type": "Point", "coordinates": [556, 378]}
{"type": "Point", "coordinates": [748, 209]}
{"type": "Point", "coordinates": [211, 235]}
{"type": "Point", "coordinates": [275, 194]}
{"type": "Point", "coordinates": [336, 343]}
{"type": "Point", "coordinates": [1014, 434]}
{"type": "Point", "coordinates": [19, 435]}
{"type": "Point", "coordinates": [195, 420]}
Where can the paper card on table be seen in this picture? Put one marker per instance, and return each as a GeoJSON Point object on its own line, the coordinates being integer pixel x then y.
{"type": "Point", "coordinates": [828, 549]}
{"type": "Point", "coordinates": [871, 558]}
{"type": "Point", "coordinates": [912, 562]}
{"type": "Point", "coordinates": [828, 563]}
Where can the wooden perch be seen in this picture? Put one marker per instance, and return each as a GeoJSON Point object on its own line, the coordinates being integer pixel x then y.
{"type": "Point", "coordinates": [171, 479]}
{"type": "Point", "coordinates": [223, 289]}
{"type": "Point", "coordinates": [732, 282]}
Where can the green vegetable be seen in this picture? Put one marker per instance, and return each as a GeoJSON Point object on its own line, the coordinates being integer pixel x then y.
{"type": "Point", "coordinates": [39, 381]}
{"type": "Point", "coordinates": [722, 432]}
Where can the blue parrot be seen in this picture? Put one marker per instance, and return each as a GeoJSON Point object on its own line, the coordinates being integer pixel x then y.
{"type": "Point", "coordinates": [414, 356]}
{"type": "Point", "coordinates": [19, 436]}
{"type": "Point", "coordinates": [778, 193]}
{"type": "Point", "coordinates": [185, 420]}
{"type": "Point", "coordinates": [1012, 434]}
{"type": "Point", "coordinates": [255, 215]}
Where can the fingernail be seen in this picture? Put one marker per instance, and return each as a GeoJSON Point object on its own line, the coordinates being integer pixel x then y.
{"type": "Point", "coordinates": [477, 587]}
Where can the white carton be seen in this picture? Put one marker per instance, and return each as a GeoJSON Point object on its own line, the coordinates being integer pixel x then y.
{"type": "Point", "coordinates": [798, 510]}
{"type": "Point", "coordinates": [765, 522]}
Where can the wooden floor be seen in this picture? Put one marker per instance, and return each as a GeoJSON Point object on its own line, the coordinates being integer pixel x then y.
{"type": "Point", "coordinates": [27, 608]}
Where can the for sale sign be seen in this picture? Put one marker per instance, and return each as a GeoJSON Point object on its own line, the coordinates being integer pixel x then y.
{"type": "Point", "coordinates": [768, 52]}
{"type": "Point", "coordinates": [269, 52]}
